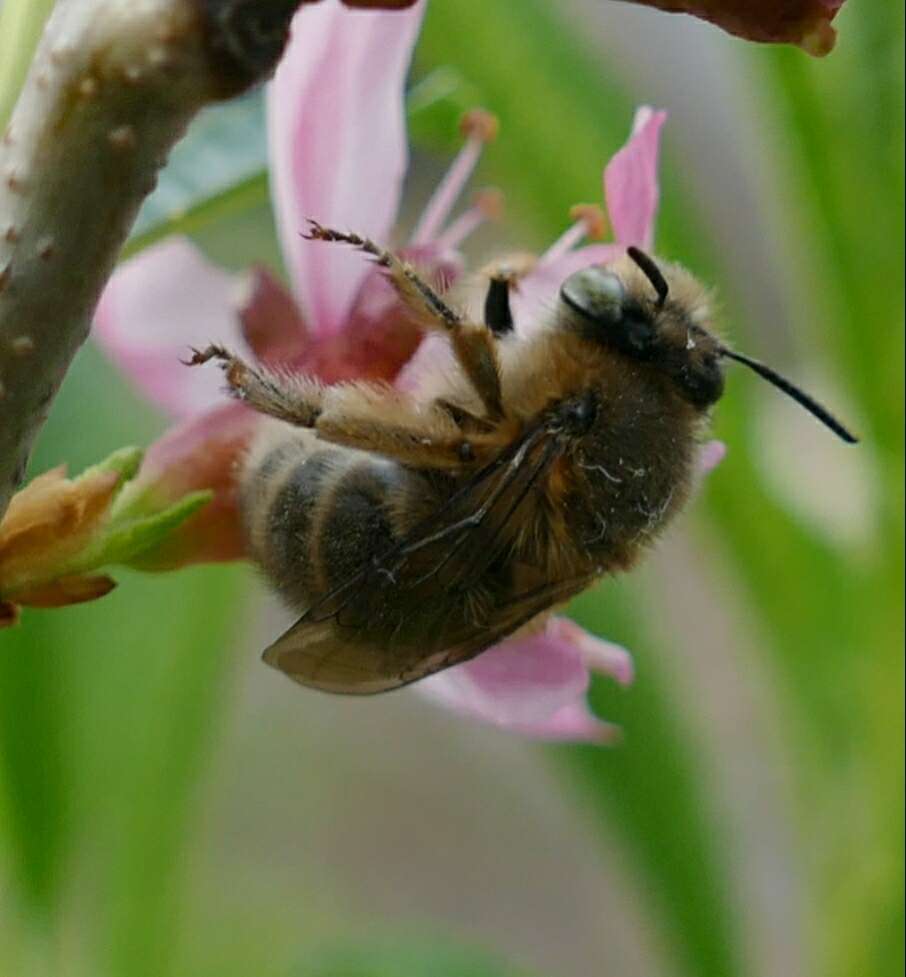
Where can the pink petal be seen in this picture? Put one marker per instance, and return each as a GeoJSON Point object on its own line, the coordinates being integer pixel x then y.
{"type": "Point", "coordinates": [429, 365]}
{"type": "Point", "coordinates": [536, 294]}
{"type": "Point", "coordinates": [574, 723]}
{"type": "Point", "coordinates": [710, 455]}
{"type": "Point", "coordinates": [202, 453]}
{"type": "Point", "coordinates": [630, 181]}
{"type": "Point", "coordinates": [338, 145]}
{"type": "Point", "coordinates": [533, 685]}
{"type": "Point", "coordinates": [516, 683]}
{"type": "Point", "coordinates": [377, 340]}
{"type": "Point", "coordinates": [156, 306]}
{"type": "Point", "coordinates": [271, 322]}
{"type": "Point", "coordinates": [600, 656]}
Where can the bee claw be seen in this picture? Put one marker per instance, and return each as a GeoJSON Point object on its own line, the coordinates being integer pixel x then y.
{"type": "Point", "coordinates": [212, 352]}
{"type": "Point", "coordinates": [195, 359]}
{"type": "Point", "coordinates": [316, 231]}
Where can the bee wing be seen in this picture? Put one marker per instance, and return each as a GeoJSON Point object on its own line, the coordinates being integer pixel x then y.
{"type": "Point", "coordinates": [315, 655]}
{"type": "Point", "coordinates": [421, 606]}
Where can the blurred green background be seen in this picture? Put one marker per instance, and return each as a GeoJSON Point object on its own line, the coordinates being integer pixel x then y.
{"type": "Point", "coordinates": [168, 806]}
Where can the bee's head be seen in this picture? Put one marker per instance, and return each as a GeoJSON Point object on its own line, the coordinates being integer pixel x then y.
{"type": "Point", "coordinates": [650, 314]}
{"type": "Point", "coordinates": [658, 314]}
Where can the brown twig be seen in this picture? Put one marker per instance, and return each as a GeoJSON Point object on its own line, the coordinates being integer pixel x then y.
{"type": "Point", "coordinates": [112, 87]}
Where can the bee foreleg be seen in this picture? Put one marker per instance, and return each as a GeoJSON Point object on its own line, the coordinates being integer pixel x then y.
{"type": "Point", "coordinates": [297, 399]}
{"type": "Point", "coordinates": [414, 291]}
{"type": "Point", "coordinates": [474, 344]}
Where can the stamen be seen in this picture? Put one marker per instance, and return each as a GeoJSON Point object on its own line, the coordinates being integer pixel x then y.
{"type": "Point", "coordinates": [479, 127]}
{"type": "Point", "coordinates": [590, 221]}
{"type": "Point", "coordinates": [487, 205]}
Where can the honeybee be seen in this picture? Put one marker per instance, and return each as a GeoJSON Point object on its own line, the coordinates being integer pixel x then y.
{"type": "Point", "coordinates": [413, 532]}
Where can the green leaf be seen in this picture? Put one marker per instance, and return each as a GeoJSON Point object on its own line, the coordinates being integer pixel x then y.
{"type": "Point", "coordinates": [217, 169]}
{"type": "Point", "coordinates": [833, 614]}
{"type": "Point", "coordinates": [652, 784]}
{"type": "Point", "coordinates": [206, 211]}
{"type": "Point", "coordinates": [36, 773]}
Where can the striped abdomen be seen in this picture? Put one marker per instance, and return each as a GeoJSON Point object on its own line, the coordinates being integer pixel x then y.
{"type": "Point", "coordinates": [315, 512]}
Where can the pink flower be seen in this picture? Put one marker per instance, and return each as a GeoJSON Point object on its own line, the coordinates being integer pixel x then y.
{"type": "Point", "coordinates": [338, 153]}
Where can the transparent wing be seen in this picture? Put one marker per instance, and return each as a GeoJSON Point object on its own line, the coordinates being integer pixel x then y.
{"type": "Point", "coordinates": [319, 656]}
{"type": "Point", "coordinates": [441, 596]}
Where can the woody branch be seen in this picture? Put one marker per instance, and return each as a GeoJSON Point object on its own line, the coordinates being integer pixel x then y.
{"type": "Point", "coordinates": [111, 89]}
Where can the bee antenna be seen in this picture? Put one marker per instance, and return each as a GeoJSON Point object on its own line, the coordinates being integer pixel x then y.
{"type": "Point", "coordinates": [802, 398]}
{"type": "Point", "coordinates": [651, 271]}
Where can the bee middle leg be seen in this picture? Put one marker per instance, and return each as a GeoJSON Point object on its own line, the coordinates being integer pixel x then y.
{"type": "Point", "coordinates": [474, 344]}
{"type": "Point", "coordinates": [366, 416]}
{"type": "Point", "coordinates": [295, 399]}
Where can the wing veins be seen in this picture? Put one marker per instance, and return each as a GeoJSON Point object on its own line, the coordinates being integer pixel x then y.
{"type": "Point", "coordinates": [512, 458]}
{"type": "Point", "coordinates": [489, 550]}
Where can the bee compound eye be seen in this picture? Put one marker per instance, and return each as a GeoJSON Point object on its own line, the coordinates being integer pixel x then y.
{"type": "Point", "coordinates": [595, 293]}
{"type": "Point", "coordinates": [638, 334]}
{"type": "Point", "coordinates": [703, 385]}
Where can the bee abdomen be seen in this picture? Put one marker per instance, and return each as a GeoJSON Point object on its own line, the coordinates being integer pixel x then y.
{"type": "Point", "coordinates": [315, 513]}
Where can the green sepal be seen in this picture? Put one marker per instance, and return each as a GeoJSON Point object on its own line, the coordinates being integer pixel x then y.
{"type": "Point", "coordinates": [125, 461]}
{"type": "Point", "coordinates": [128, 539]}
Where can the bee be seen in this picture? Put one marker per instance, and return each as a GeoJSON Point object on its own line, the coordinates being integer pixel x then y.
{"type": "Point", "coordinates": [414, 531]}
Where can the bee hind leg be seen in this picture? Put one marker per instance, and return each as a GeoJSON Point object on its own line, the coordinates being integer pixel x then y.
{"type": "Point", "coordinates": [296, 399]}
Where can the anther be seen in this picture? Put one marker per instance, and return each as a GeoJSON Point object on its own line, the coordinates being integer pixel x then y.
{"type": "Point", "coordinates": [593, 218]}
{"type": "Point", "coordinates": [487, 205]}
{"type": "Point", "coordinates": [590, 221]}
{"type": "Point", "coordinates": [479, 127]}
{"type": "Point", "coordinates": [480, 124]}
